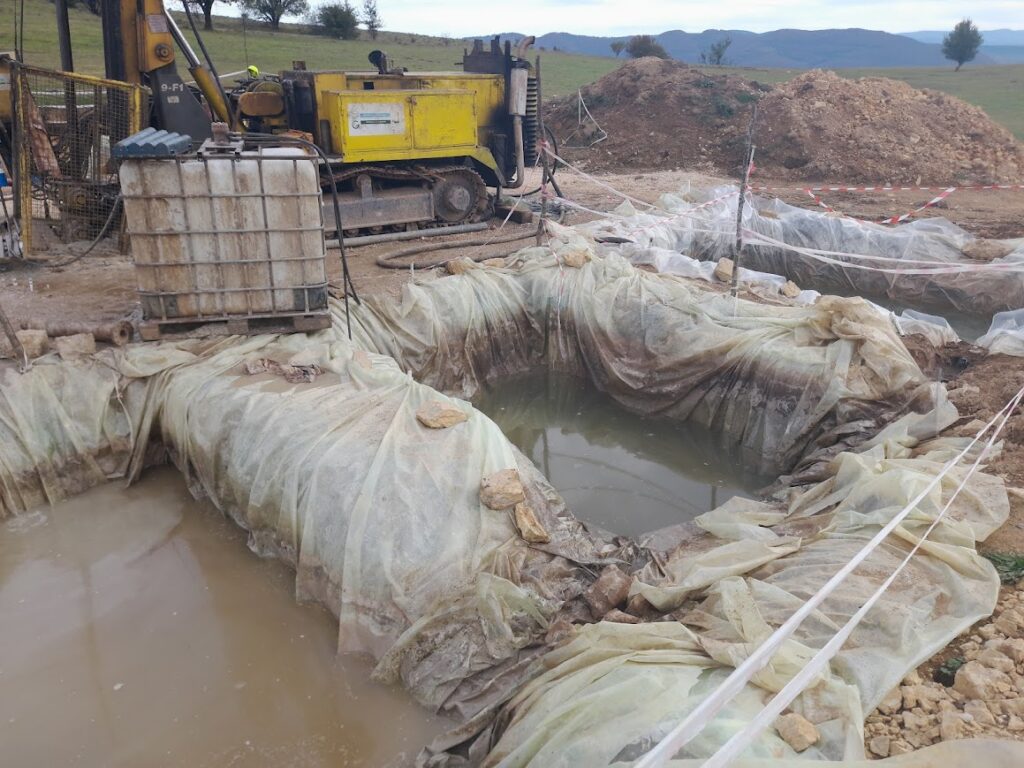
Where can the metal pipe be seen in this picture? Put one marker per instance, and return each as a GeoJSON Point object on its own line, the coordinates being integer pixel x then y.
{"type": "Point", "coordinates": [391, 237]}
{"type": "Point", "coordinates": [517, 139]}
{"type": "Point", "coordinates": [118, 332]}
{"type": "Point", "coordinates": [64, 36]}
{"type": "Point", "coordinates": [179, 38]}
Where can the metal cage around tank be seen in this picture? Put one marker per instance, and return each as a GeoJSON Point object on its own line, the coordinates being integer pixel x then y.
{"type": "Point", "coordinates": [228, 236]}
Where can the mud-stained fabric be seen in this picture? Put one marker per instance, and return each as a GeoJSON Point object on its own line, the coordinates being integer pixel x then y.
{"type": "Point", "coordinates": [382, 519]}
{"type": "Point", "coordinates": [708, 233]}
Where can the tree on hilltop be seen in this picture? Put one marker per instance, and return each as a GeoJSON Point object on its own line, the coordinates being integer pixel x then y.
{"type": "Point", "coordinates": [645, 45]}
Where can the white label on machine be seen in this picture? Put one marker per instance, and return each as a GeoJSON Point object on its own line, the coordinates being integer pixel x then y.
{"type": "Point", "coordinates": [376, 119]}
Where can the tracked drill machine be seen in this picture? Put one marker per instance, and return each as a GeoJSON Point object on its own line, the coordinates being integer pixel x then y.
{"type": "Point", "coordinates": [405, 149]}
{"type": "Point", "coordinates": [409, 149]}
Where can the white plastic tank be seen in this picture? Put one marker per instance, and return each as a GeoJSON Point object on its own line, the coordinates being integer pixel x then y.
{"type": "Point", "coordinates": [227, 235]}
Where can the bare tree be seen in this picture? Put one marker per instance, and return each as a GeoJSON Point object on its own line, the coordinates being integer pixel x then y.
{"type": "Point", "coordinates": [371, 18]}
{"type": "Point", "coordinates": [617, 47]}
{"type": "Point", "coordinates": [716, 55]}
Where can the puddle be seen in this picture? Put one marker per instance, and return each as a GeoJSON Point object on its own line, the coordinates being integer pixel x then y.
{"type": "Point", "coordinates": [138, 629]}
{"type": "Point", "coordinates": [623, 473]}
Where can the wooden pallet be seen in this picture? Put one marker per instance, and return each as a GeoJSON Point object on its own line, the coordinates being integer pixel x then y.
{"type": "Point", "coordinates": [154, 330]}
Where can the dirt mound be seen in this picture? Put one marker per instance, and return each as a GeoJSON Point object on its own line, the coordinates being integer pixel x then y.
{"type": "Point", "coordinates": [815, 127]}
{"type": "Point", "coordinates": [658, 115]}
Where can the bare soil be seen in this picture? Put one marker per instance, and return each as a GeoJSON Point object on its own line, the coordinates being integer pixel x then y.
{"type": "Point", "coordinates": [816, 127]}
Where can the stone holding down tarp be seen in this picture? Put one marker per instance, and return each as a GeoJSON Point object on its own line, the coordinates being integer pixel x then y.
{"type": "Point", "coordinates": [382, 517]}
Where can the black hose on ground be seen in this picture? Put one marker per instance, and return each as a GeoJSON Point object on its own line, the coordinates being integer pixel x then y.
{"type": "Point", "coordinates": [87, 251]}
{"type": "Point", "coordinates": [385, 261]}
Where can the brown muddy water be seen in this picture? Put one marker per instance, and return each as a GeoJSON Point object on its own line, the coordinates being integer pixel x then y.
{"type": "Point", "coordinates": [625, 474]}
{"type": "Point", "coordinates": [136, 629]}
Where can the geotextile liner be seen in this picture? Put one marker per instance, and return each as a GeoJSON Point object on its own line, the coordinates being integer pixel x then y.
{"type": "Point", "coordinates": [382, 520]}
{"type": "Point", "coordinates": [709, 233]}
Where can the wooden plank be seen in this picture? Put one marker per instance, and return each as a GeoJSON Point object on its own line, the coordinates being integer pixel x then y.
{"type": "Point", "coordinates": [39, 140]}
{"type": "Point", "coordinates": [154, 330]}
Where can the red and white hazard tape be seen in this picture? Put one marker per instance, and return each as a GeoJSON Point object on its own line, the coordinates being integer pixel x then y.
{"type": "Point", "coordinates": [890, 219]}
{"type": "Point", "coordinates": [881, 188]}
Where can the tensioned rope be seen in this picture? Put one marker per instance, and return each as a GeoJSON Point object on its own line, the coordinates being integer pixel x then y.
{"type": "Point", "coordinates": [706, 710]}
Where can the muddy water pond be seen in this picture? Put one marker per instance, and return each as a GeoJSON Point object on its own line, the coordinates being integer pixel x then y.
{"type": "Point", "coordinates": [625, 474]}
{"type": "Point", "coordinates": [136, 629]}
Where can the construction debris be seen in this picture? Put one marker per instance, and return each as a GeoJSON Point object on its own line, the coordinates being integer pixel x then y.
{"type": "Point", "coordinates": [34, 342]}
{"type": "Point", "coordinates": [117, 333]}
{"type": "Point", "coordinates": [75, 345]}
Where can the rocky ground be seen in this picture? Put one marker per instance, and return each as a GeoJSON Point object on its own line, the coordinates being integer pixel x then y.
{"type": "Point", "coordinates": [981, 693]}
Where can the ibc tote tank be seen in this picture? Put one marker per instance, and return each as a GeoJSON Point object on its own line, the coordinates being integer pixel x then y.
{"type": "Point", "coordinates": [227, 236]}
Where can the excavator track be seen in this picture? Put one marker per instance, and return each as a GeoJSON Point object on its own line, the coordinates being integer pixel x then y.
{"type": "Point", "coordinates": [459, 192]}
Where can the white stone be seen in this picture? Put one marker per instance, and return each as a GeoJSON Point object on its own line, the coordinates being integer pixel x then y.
{"type": "Point", "coordinates": [797, 731]}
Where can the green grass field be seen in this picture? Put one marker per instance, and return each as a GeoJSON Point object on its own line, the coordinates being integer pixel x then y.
{"type": "Point", "coordinates": [997, 90]}
{"type": "Point", "coordinates": [274, 51]}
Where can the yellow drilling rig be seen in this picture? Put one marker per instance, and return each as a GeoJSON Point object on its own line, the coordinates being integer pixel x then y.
{"type": "Point", "coordinates": [406, 150]}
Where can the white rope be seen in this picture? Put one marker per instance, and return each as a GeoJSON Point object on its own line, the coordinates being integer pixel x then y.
{"type": "Point", "coordinates": [937, 268]}
{"type": "Point", "coordinates": [706, 710]}
{"type": "Point", "coordinates": [742, 739]}
{"type": "Point", "coordinates": [595, 180]}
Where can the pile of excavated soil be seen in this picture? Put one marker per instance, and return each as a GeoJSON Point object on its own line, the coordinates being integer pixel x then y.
{"type": "Point", "coordinates": [816, 127]}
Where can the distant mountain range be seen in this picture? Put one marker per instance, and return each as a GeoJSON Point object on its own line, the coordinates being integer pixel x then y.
{"type": "Point", "coordinates": [804, 49]}
{"type": "Point", "coordinates": [992, 36]}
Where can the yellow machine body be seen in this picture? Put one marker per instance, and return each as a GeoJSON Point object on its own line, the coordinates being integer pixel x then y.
{"type": "Point", "coordinates": [6, 102]}
{"type": "Point", "coordinates": [373, 118]}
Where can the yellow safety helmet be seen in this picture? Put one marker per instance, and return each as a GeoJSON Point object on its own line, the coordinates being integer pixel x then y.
{"type": "Point", "coordinates": [254, 72]}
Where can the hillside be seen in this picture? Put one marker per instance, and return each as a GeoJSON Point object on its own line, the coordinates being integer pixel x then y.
{"type": "Point", "coordinates": [994, 89]}
{"type": "Point", "coordinates": [232, 48]}
{"type": "Point", "coordinates": [992, 36]}
{"type": "Point", "coordinates": [794, 48]}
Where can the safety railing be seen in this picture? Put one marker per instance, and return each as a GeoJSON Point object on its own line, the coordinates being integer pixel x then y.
{"type": "Point", "coordinates": [65, 125]}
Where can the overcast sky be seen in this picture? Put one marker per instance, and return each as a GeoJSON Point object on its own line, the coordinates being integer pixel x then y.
{"type": "Point", "coordinates": [620, 17]}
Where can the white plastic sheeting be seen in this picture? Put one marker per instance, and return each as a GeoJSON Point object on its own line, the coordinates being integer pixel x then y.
{"type": "Point", "coordinates": [382, 521]}
{"type": "Point", "coordinates": [1005, 334]}
{"type": "Point", "coordinates": [708, 233]}
{"type": "Point", "coordinates": [615, 690]}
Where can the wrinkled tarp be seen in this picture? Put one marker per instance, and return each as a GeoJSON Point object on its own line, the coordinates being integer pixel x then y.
{"type": "Point", "coordinates": [382, 521]}
{"type": "Point", "coordinates": [779, 384]}
{"type": "Point", "coordinates": [709, 233]}
{"type": "Point", "coordinates": [1005, 334]}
